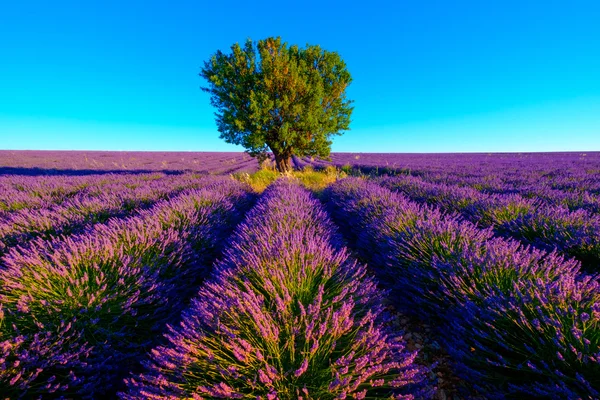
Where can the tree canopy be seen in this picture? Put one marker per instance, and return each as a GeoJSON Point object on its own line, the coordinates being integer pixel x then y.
{"type": "Point", "coordinates": [273, 97]}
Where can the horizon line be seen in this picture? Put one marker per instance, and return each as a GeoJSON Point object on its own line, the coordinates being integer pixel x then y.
{"type": "Point", "coordinates": [333, 152]}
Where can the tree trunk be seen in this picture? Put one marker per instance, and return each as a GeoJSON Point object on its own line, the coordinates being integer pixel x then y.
{"type": "Point", "coordinates": [283, 162]}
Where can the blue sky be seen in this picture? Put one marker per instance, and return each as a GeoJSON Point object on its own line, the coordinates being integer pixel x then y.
{"type": "Point", "coordinates": [429, 76]}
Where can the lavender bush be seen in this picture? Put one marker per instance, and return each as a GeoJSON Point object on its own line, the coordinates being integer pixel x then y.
{"type": "Point", "coordinates": [287, 316]}
{"type": "Point", "coordinates": [97, 205]}
{"type": "Point", "coordinates": [446, 271]}
{"type": "Point", "coordinates": [576, 233]}
{"type": "Point", "coordinates": [573, 233]}
{"type": "Point", "coordinates": [537, 340]}
{"type": "Point", "coordinates": [90, 305]}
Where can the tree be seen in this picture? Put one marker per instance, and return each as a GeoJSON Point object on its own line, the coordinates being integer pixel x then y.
{"type": "Point", "coordinates": [271, 96]}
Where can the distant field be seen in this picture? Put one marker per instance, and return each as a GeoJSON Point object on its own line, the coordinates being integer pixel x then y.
{"type": "Point", "coordinates": [166, 275]}
{"type": "Point", "coordinates": [89, 162]}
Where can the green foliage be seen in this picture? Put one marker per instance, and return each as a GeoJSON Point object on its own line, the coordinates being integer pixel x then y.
{"type": "Point", "coordinates": [318, 180]}
{"type": "Point", "coordinates": [271, 96]}
{"type": "Point", "coordinates": [258, 180]}
{"type": "Point", "coordinates": [308, 177]}
{"type": "Point", "coordinates": [347, 168]}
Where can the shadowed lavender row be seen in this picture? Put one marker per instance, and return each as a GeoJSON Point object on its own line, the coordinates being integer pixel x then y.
{"type": "Point", "coordinates": [288, 315]}
{"type": "Point", "coordinates": [573, 233]}
{"type": "Point", "coordinates": [519, 323]}
{"type": "Point", "coordinates": [21, 193]}
{"type": "Point", "coordinates": [545, 186]}
{"type": "Point", "coordinates": [96, 206]}
{"type": "Point", "coordinates": [77, 314]}
{"type": "Point", "coordinates": [570, 180]}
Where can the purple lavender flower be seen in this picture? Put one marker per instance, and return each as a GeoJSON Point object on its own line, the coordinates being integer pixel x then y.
{"type": "Point", "coordinates": [509, 315]}
{"type": "Point", "coordinates": [286, 315]}
{"type": "Point", "coordinates": [113, 288]}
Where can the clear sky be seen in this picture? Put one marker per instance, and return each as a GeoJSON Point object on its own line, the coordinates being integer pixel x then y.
{"type": "Point", "coordinates": [429, 76]}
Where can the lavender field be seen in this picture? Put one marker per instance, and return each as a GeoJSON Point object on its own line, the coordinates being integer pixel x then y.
{"type": "Point", "coordinates": [412, 276]}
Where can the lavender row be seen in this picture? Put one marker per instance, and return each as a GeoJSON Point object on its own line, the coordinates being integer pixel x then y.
{"type": "Point", "coordinates": [546, 190]}
{"type": "Point", "coordinates": [27, 192]}
{"type": "Point", "coordinates": [235, 166]}
{"type": "Point", "coordinates": [499, 179]}
{"type": "Point", "coordinates": [78, 213]}
{"type": "Point", "coordinates": [573, 200]}
{"type": "Point", "coordinates": [568, 179]}
{"type": "Point", "coordinates": [563, 171]}
{"type": "Point", "coordinates": [287, 315]}
{"type": "Point", "coordinates": [573, 233]}
{"type": "Point", "coordinates": [518, 322]}
{"type": "Point", "coordinates": [15, 194]}
{"type": "Point", "coordinates": [57, 192]}
{"type": "Point", "coordinates": [77, 314]}
{"type": "Point", "coordinates": [22, 193]}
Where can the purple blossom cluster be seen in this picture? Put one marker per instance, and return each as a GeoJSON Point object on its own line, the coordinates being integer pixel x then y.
{"type": "Point", "coordinates": [519, 322]}
{"type": "Point", "coordinates": [287, 315]}
{"type": "Point", "coordinates": [104, 259]}
{"type": "Point", "coordinates": [548, 227]}
{"type": "Point", "coordinates": [573, 200]}
{"type": "Point", "coordinates": [77, 313]}
{"type": "Point", "coordinates": [92, 204]}
{"type": "Point", "coordinates": [19, 192]}
{"type": "Point", "coordinates": [30, 192]}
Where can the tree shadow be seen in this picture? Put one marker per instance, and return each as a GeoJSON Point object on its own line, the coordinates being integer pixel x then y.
{"type": "Point", "coordinates": [36, 171]}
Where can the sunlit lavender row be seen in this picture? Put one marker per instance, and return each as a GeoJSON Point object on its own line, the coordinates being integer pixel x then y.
{"type": "Point", "coordinates": [90, 205]}
{"type": "Point", "coordinates": [287, 315]}
{"type": "Point", "coordinates": [575, 233]}
{"type": "Point", "coordinates": [78, 312]}
{"type": "Point", "coordinates": [174, 276]}
{"type": "Point", "coordinates": [19, 192]}
{"type": "Point", "coordinates": [518, 322]}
